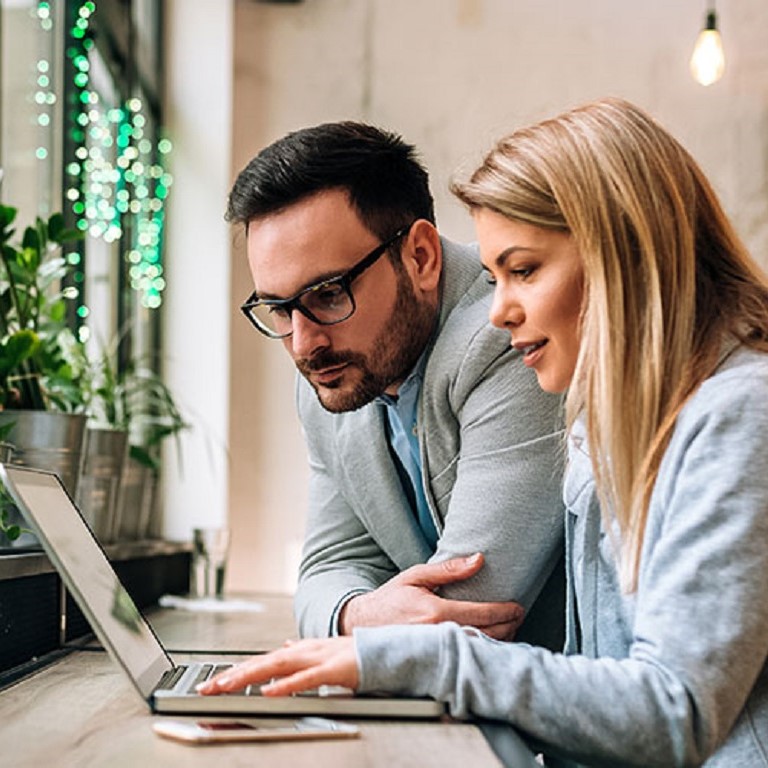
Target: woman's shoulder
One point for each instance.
(742, 373)
(736, 393)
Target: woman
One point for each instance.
(622, 283)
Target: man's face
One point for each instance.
(351, 363)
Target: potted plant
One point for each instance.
(151, 416)
(11, 528)
(105, 448)
(35, 372)
(42, 399)
(132, 408)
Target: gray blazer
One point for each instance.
(491, 449)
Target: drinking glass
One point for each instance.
(209, 561)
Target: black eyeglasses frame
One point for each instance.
(345, 280)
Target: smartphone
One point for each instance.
(219, 731)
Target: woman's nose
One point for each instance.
(505, 312)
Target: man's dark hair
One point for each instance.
(385, 181)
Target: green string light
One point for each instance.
(117, 172)
(43, 96)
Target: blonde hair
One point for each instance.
(667, 283)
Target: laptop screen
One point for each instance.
(90, 578)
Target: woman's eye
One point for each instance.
(522, 272)
(489, 278)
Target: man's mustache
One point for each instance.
(323, 360)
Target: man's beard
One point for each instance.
(396, 351)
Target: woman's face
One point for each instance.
(539, 282)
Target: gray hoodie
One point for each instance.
(674, 674)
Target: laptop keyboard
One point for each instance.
(171, 678)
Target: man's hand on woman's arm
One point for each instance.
(410, 598)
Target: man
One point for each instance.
(428, 438)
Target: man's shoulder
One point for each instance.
(462, 272)
(465, 334)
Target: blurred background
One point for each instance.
(134, 116)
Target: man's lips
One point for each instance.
(329, 373)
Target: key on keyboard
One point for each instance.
(170, 678)
(206, 672)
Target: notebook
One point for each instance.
(130, 640)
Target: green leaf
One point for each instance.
(42, 232)
(7, 217)
(5, 301)
(143, 457)
(55, 227)
(9, 253)
(31, 239)
(12, 532)
(70, 236)
(32, 260)
(19, 347)
(57, 311)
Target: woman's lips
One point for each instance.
(531, 352)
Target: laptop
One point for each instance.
(121, 628)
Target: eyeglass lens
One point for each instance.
(327, 303)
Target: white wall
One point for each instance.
(197, 299)
(450, 75)
(453, 74)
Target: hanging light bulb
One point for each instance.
(708, 59)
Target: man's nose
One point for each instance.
(307, 336)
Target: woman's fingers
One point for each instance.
(299, 666)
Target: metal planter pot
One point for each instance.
(137, 493)
(46, 440)
(105, 454)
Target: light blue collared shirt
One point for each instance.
(403, 433)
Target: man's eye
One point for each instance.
(328, 295)
(279, 312)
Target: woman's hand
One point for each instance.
(298, 666)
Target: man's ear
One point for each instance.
(422, 256)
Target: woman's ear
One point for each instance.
(422, 256)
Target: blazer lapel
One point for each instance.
(378, 496)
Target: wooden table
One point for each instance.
(81, 711)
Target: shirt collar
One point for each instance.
(409, 389)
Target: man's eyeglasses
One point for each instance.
(325, 303)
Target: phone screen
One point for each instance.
(225, 725)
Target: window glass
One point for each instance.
(30, 107)
(80, 132)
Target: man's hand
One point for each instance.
(298, 666)
(409, 598)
